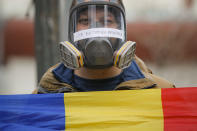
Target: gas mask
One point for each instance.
(97, 36)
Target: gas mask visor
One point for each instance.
(92, 21)
(97, 31)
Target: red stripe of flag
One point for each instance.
(180, 109)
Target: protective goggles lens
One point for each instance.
(91, 21)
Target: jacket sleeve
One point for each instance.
(49, 84)
(160, 82)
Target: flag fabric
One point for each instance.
(126, 110)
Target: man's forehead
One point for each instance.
(99, 9)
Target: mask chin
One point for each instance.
(98, 53)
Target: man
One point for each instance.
(97, 56)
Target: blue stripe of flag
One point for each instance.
(34, 112)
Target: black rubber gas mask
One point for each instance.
(96, 35)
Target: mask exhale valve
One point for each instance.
(98, 52)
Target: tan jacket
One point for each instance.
(50, 84)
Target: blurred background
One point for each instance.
(165, 32)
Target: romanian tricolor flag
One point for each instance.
(127, 110)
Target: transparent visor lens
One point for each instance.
(97, 21)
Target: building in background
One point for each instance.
(160, 10)
(17, 69)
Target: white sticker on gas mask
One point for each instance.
(98, 32)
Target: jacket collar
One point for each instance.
(133, 77)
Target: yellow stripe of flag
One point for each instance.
(136, 110)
